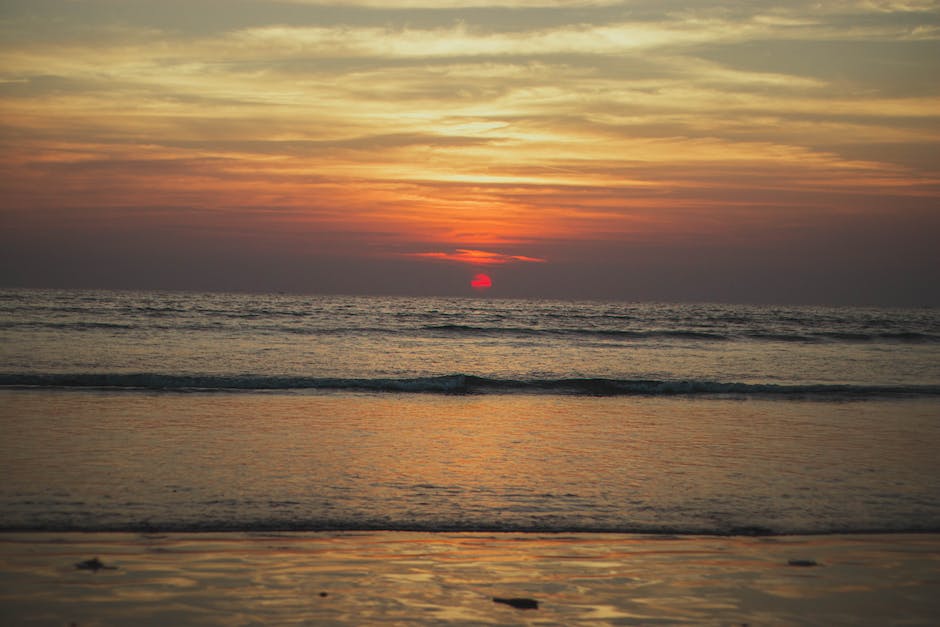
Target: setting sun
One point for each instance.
(481, 282)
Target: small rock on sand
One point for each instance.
(519, 603)
(802, 563)
(94, 565)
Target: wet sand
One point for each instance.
(408, 578)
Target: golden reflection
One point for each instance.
(207, 579)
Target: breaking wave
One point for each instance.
(274, 324)
(463, 384)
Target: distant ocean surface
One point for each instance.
(191, 411)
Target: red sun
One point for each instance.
(481, 282)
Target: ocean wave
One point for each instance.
(294, 323)
(84, 325)
(691, 334)
(464, 384)
(297, 524)
(461, 329)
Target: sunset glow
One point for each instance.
(596, 136)
(478, 257)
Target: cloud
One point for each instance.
(468, 40)
(458, 4)
(476, 257)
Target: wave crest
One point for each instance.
(461, 384)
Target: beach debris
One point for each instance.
(94, 565)
(324, 594)
(802, 563)
(518, 603)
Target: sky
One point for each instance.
(760, 152)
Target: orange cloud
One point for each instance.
(477, 257)
(460, 135)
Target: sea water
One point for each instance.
(191, 411)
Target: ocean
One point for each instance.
(163, 411)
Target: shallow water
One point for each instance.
(117, 460)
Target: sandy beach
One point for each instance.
(408, 578)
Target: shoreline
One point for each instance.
(325, 530)
(408, 577)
